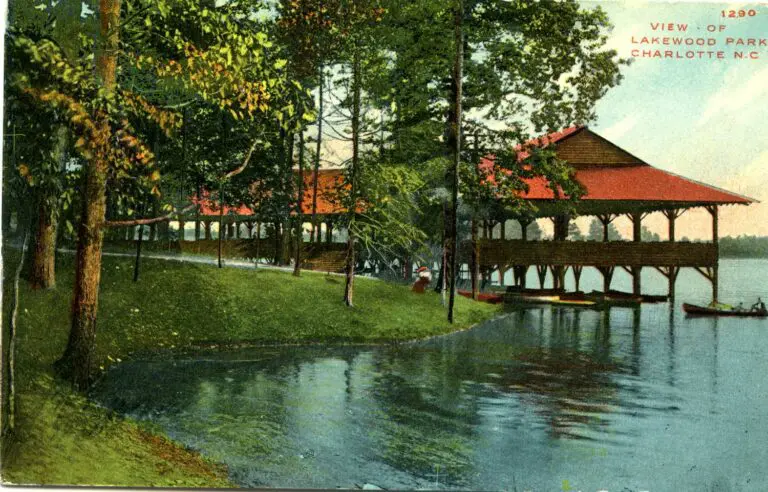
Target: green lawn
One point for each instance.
(175, 306)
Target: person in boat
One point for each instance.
(758, 306)
(740, 307)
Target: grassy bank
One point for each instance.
(62, 439)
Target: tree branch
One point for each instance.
(242, 166)
(154, 220)
(151, 220)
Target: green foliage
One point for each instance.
(387, 223)
(744, 247)
(648, 235)
(596, 231)
(574, 233)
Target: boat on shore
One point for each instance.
(723, 310)
(489, 297)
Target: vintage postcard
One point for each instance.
(385, 244)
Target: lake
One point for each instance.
(542, 399)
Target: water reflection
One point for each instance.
(637, 398)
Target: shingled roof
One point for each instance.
(612, 177)
(329, 181)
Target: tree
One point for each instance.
(532, 66)
(534, 232)
(596, 231)
(41, 156)
(230, 67)
(647, 235)
(574, 233)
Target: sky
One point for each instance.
(705, 119)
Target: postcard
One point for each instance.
(376, 244)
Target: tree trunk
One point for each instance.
(138, 254)
(9, 414)
(75, 363)
(350, 260)
(475, 274)
(299, 211)
(197, 212)
(455, 143)
(315, 226)
(276, 240)
(221, 221)
(44, 257)
(153, 232)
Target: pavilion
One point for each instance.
(241, 222)
(616, 183)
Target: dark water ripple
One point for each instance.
(545, 399)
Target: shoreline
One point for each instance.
(60, 434)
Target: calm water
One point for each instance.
(547, 399)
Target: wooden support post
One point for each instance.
(605, 219)
(577, 275)
(715, 241)
(555, 277)
(673, 271)
(672, 214)
(520, 272)
(607, 277)
(558, 276)
(329, 232)
(207, 229)
(637, 226)
(503, 230)
(237, 229)
(561, 271)
(636, 282)
(181, 229)
(561, 234)
(524, 228)
(542, 272)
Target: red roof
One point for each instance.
(329, 181)
(638, 183)
(626, 182)
(545, 140)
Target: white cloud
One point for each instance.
(751, 180)
(735, 94)
(620, 128)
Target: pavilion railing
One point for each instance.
(499, 252)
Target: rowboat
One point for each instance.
(615, 298)
(488, 297)
(530, 298)
(574, 303)
(721, 310)
(617, 294)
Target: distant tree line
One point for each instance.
(744, 247)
